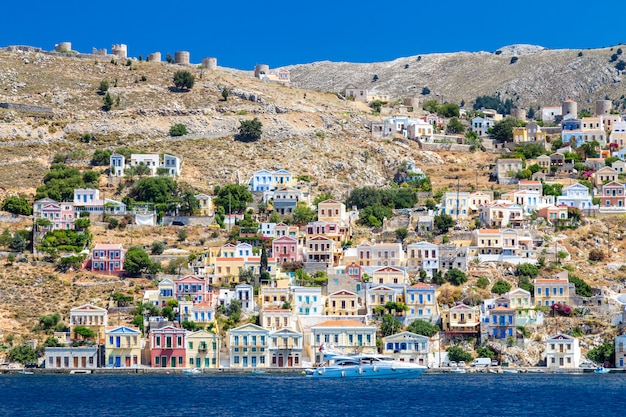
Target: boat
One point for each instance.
(457, 371)
(364, 366)
(80, 371)
(601, 370)
(25, 372)
(192, 371)
(258, 372)
(535, 371)
(510, 371)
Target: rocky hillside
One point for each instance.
(537, 77)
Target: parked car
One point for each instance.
(587, 364)
(452, 363)
(462, 364)
(494, 363)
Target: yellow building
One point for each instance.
(205, 203)
(122, 348)
(91, 317)
(342, 303)
(380, 295)
(461, 320)
(555, 290)
(389, 275)
(203, 350)
(520, 135)
(521, 301)
(274, 297)
(331, 210)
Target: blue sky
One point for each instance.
(244, 33)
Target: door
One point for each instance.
(290, 361)
(127, 362)
(118, 362)
(254, 361)
(280, 361)
(198, 362)
(164, 361)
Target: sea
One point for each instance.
(498, 395)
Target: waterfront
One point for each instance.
(294, 395)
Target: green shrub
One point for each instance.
(178, 129)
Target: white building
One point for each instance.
(562, 351)
(307, 301)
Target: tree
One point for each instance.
(303, 213)
(401, 233)
(500, 287)
(373, 216)
(5, 238)
(91, 177)
(455, 276)
(18, 243)
(473, 140)
(423, 327)
(84, 332)
(157, 248)
(603, 353)
(104, 87)
(620, 66)
(449, 110)
(225, 93)
(527, 270)
(444, 222)
(17, 205)
(425, 91)
(431, 106)
(457, 354)
(107, 102)
(182, 235)
(482, 282)
(502, 131)
(137, 261)
(23, 354)
(250, 130)
(122, 300)
(178, 129)
(582, 288)
(184, 80)
(264, 260)
(233, 197)
(11, 258)
(153, 190)
(390, 325)
(484, 352)
(455, 126)
(377, 105)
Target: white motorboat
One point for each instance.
(371, 366)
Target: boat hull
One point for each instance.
(365, 372)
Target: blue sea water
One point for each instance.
(268, 395)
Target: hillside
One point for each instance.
(307, 129)
(539, 76)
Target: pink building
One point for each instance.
(354, 271)
(60, 215)
(108, 258)
(193, 287)
(168, 347)
(285, 249)
(612, 195)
